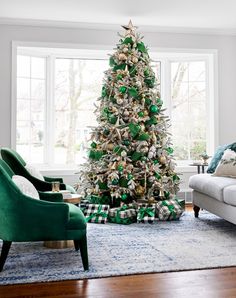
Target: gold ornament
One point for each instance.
(134, 59)
(140, 190)
(110, 146)
(145, 113)
(163, 159)
(151, 200)
(154, 138)
(122, 57)
(161, 193)
(125, 50)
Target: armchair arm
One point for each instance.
(52, 179)
(36, 220)
(43, 185)
(51, 197)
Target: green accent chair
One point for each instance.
(17, 164)
(24, 219)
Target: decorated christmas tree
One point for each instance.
(131, 155)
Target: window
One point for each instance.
(55, 107)
(189, 109)
(57, 91)
(31, 100)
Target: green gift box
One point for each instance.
(96, 213)
(169, 210)
(125, 215)
(146, 213)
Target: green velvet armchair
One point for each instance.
(24, 219)
(17, 164)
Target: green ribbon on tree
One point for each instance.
(145, 211)
(136, 156)
(128, 40)
(119, 66)
(170, 207)
(133, 71)
(151, 121)
(133, 92)
(112, 61)
(134, 129)
(96, 154)
(97, 214)
(141, 47)
(143, 137)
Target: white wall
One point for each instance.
(225, 45)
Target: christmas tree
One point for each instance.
(131, 155)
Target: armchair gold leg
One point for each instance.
(5, 250)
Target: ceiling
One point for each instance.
(204, 16)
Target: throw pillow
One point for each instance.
(227, 165)
(25, 186)
(218, 155)
(34, 172)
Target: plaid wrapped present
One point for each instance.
(169, 209)
(125, 215)
(83, 204)
(146, 213)
(96, 213)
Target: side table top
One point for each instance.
(74, 199)
(198, 164)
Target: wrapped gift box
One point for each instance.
(169, 210)
(83, 204)
(125, 214)
(96, 213)
(146, 213)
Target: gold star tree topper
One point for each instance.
(130, 29)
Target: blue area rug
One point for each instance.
(207, 242)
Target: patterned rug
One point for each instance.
(207, 242)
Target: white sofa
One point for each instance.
(214, 194)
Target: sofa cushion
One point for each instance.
(227, 165)
(230, 195)
(210, 185)
(217, 156)
(25, 186)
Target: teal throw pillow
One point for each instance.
(217, 156)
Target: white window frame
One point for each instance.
(211, 59)
(82, 51)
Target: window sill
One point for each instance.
(58, 172)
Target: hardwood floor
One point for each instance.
(217, 283)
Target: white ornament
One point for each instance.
(119, 101)
(123, 153)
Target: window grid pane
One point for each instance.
(188, 115)
(31, 97)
